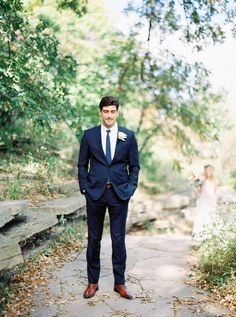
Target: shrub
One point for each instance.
(217, 254)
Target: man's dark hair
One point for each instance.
(108, 101)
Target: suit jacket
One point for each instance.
(94, 170)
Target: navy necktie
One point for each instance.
(108, 147)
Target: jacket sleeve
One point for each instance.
(83, 162)
(133, 162)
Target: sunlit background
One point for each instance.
(172, 66)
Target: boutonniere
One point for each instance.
(122, 136)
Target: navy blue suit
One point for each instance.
(94, 172)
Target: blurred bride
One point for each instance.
(205, 210)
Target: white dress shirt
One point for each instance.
(113, 138)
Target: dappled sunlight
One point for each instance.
(169, 272)
(159, 60)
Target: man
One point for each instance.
(108, 169)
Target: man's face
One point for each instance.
(109, 115)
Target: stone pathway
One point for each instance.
(156, 269)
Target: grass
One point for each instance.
(32, 179)
(216, 257)
(34, 190)
(14, 189)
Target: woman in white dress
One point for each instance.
(205, 210)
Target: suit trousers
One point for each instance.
(96, 210)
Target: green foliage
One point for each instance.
(33, 174)
(14, 190)
(233, 175)
(149, 226)
(219, 265)
(217, 255)
(173, 100)
(5, 295)
(62, 220)
(78, 6)
(70, 234)
(199, 21)
(35, 75)
(159, 174)
(176, 92)
(55, 67)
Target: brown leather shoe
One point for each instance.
(122, 290)
(90, 290)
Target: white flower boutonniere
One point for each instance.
(122, 136)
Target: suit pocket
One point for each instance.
(122, 178)
(91, 178)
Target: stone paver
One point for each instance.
(28, 225)
(10, 253)
(156, 269)
(9, 209)
(62, 206)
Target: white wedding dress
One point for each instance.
(205, 211)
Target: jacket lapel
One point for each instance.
(99, 142)
(118, 143)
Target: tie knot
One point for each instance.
(108, 131)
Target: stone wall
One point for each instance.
(19, 222)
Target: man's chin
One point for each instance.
(109, 124)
